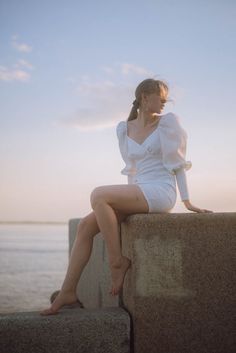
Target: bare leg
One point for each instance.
(128, 199)
(109, 225)
(106, 201)
(79, 257)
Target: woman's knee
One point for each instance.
(81, 225)
(88, 226)
(97, 195)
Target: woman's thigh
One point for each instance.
(127, 199)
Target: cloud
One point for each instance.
(108, 70)
(22, 47)
(104, 102)
(87, 119)
(127, 69)
(24, 63)
(19, 70)
(7, 74)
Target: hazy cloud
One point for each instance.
(87, 119)
(22, 47)
(102, 103)
(7, 74)
(24, 63)
(18, 72)
(127, 69)
(108, 70)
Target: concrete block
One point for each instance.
(95, 282)
(181, 289)
(105, 330)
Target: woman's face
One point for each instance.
(153, 103)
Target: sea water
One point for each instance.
(33, 263)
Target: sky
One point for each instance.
(68, 73)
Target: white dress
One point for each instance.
(157, 163)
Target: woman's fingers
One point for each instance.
(205, 211)
(199, 210)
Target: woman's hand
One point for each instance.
(193, 208)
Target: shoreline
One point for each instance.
(33, 222)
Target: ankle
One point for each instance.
(117, 263)
(68, 291)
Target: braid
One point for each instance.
(134, 113)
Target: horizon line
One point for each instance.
(34, 222)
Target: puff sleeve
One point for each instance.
(130, 169)
(173, 145)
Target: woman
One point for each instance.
(153, 147)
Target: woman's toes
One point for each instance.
(49, 311)
(62, 299)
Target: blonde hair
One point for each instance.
(147, 86)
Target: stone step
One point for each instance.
(70, 331)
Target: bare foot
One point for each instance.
(118, 275)
(60, 300)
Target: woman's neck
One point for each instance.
(146, 119)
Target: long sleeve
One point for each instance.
(174, 143)
(182, 184)
(129, 169)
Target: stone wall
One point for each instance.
(181, 288)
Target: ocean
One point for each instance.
(33, 263)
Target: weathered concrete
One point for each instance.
(181, 289)
(79, 330)
(95, 281)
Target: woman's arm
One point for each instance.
(182, 183)
(183, 190)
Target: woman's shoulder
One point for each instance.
(170, 118)
(172, 122)
(120, 127)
